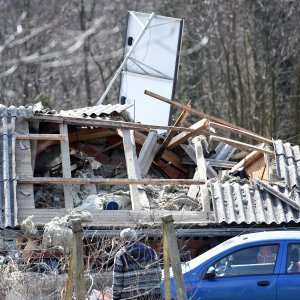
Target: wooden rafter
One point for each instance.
(184, 136)
(215, 122)
(240, 145)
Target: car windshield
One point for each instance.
(210, 253)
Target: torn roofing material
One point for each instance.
(238, 202)
(95, 111)
(288, 163)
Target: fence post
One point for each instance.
(169, 233)
(76, 264)
(166, 263)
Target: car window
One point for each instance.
(293, 260)
(258, 260)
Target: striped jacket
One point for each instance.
(136, 273)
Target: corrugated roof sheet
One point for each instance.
(238, 202)
(288, 163)
(8, 214)
(95, 111)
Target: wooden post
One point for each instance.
(66, 165)
(147, 153)
(76, 264)
(138, 196)
(169, 233)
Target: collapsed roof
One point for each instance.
(102, 152)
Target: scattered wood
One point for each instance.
(240, 145)
(258, 168)
(276, 193)
(249, 159)
(184, 136)
(216, 122)
(171, 134)
(190, 151)
(167, 155)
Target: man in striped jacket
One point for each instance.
(136, 272)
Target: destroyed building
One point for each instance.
(126, 174)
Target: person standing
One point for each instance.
(136, 271)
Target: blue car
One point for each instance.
(262, 265)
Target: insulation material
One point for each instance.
(57, 234)
(92, 203)
(28, 226)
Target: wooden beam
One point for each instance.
(167, 155)
(66, 165)
(171, 134)
(241, 131)
(33, 144)
(249, 159)
(138, 196)
(184, 136)
(190, 151)
(106, 181)
(276, 193)
(200, 174)
(80, 135)
(124, 218)
(240, 145)
(105, 123)
(219, 123)
(90, 134)
(39, 136)
(147, 153)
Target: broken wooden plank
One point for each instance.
(240, 145)
(190, 151)
(250, 158)
(79, 135)
(33, 144)
(167, 155)
(200, 174)
(147, 153)
(171, 134)
(66, 165)
(138, 196)
(115, 145)
(39, 136)
(225, 164)
(105, 123)
(184, 136)
(257, 169)
(106, 181)
(276, 193)
(216, 122)
(123, 218)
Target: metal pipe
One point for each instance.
(6, 182)
(13, 168)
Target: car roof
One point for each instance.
(267, 236)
